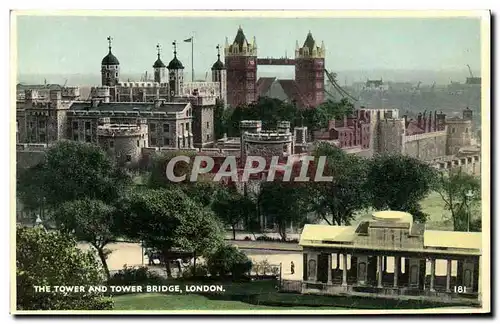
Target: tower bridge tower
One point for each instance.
(310, 70)
(241, 69)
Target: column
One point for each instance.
(433, 273)
(344, 269)
(379, 267)
(329, 269)
(448, 275)
(397, 266)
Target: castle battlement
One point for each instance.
(264, 136)
(140, 84)
(418, 137)
(250, 124)
(119, 130)
(32, 147)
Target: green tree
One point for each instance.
(54, 259)
(228, 259)
(338, 200)
(285, 203)
(319, 117)
(91, 221)
(158, 177)
(166, 219)
(220, 117)
(454, 188)
(399, 182)
(233, 208)
(71, 171)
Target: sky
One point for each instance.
(74, 45)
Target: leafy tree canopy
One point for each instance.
(399, 182)
(72, 170)
(54, 259)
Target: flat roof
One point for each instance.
(457, 240)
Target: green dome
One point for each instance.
(110, 59)
(218, 65)
(159, 63)
(175, 64)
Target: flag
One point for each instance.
(189, 40)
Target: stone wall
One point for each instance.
(390, 137)
(427, 146)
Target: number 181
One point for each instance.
(460, 289)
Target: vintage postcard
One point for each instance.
(249, 162)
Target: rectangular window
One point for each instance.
(87, 125)
(75, 137)
(153, 141)
(453, 130)
(187, 127)
(208, 125)
(32, 124)
(208, 137)
(42, 138)
(42, 124)
(75, 125)
(166, 128)
(111, 144)
(152, 127)
(138, 143)
(166, 141)
(88, 138)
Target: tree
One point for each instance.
(454, 188)
(166, 219)
(70, 171)
(54, 259)
(319, 117)
(285, 202)
(158, 177)
(337, 201)
(227, 260)
(233, 208)
(90, 221)
(399, 182)
(220, 116)
(202, 192)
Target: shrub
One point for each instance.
(201, 271)
(263, 267)
(135, 276)
(228, 260)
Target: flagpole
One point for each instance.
(192, 58)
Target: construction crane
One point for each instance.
(470, 71)
(331, 77)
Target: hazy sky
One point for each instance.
(77, 44)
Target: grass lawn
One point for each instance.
(238, 296)
(192, 302)
(257, 295)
